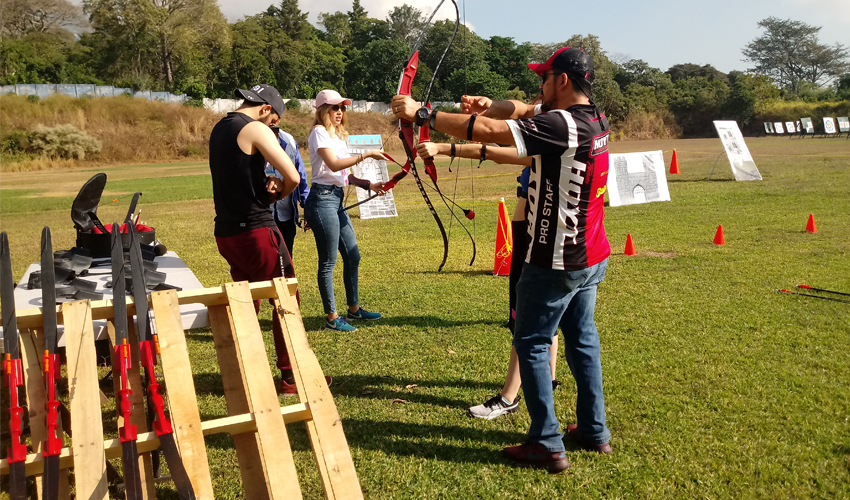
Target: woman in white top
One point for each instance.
(323, 210)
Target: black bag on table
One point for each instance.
(91, 233)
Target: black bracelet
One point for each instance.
(454, 151)
(432, 120)
(469, 128)
(483, 154)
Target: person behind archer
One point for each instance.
(323, 211)
(245, 232)
(285, 211)
(569, 250)
(507, 401)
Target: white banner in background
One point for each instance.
(743, 166)
(637, 178)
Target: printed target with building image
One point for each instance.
(635, 178)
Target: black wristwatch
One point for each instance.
(422, 116)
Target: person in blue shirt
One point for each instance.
(285, 211)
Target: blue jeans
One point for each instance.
(333, 232)
(547, 299)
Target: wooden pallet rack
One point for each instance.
(255, 418)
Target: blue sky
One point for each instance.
(661, 32)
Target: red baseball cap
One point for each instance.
(573, 61)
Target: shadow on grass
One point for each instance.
(425, 441)
(405, 440)
(354, 386)
(370, 387)
(313, 323)
(699, 180)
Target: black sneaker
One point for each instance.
(494, 407)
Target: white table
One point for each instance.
(176, 273)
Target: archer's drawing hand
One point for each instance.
(378, 188)
(404, 107)
(475, 104)
(427, 149)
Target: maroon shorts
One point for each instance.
(255, 256)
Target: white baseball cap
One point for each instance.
(331, 97)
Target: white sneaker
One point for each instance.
(494, 407)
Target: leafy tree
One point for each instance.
(405, 22)
(19, 17)
(790, 53)
(509, 59)
(640, 72)
(842, 87)
(290, 19)
(149, 38)
(696, 102)
(372, 73)
(468, 53)
(682, 71)
(476, 80)
(337, 29)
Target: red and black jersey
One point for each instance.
(567, 186)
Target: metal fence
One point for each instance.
(216, 105)
(87, 90)
(227, 105)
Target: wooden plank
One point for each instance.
(312, 434)
(102, 309)
(251, 466)
(137, 397)
(332, 442)
(182, 401)
(32, 347)
(86, 425)
(274, 441)
(237, 425)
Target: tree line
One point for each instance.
(187, 46)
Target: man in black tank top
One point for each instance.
(245, 232)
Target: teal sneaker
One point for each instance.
(363, 314)
(339, 324)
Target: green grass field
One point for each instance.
(716, 385)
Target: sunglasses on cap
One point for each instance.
(337, 107)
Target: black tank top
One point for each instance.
(239, 180)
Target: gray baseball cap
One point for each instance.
(265, 94)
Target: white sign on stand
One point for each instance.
(373, 171)
(740, 159)
(635, 178)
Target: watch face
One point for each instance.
(423, 113)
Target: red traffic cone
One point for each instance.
(630, 246)
(674, 164)
(504, 243)
(718, 236)
(811, 227)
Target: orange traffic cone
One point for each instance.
(504, 243)
(810, 226)
(674, 164)
(718, 236)
(630, 246)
